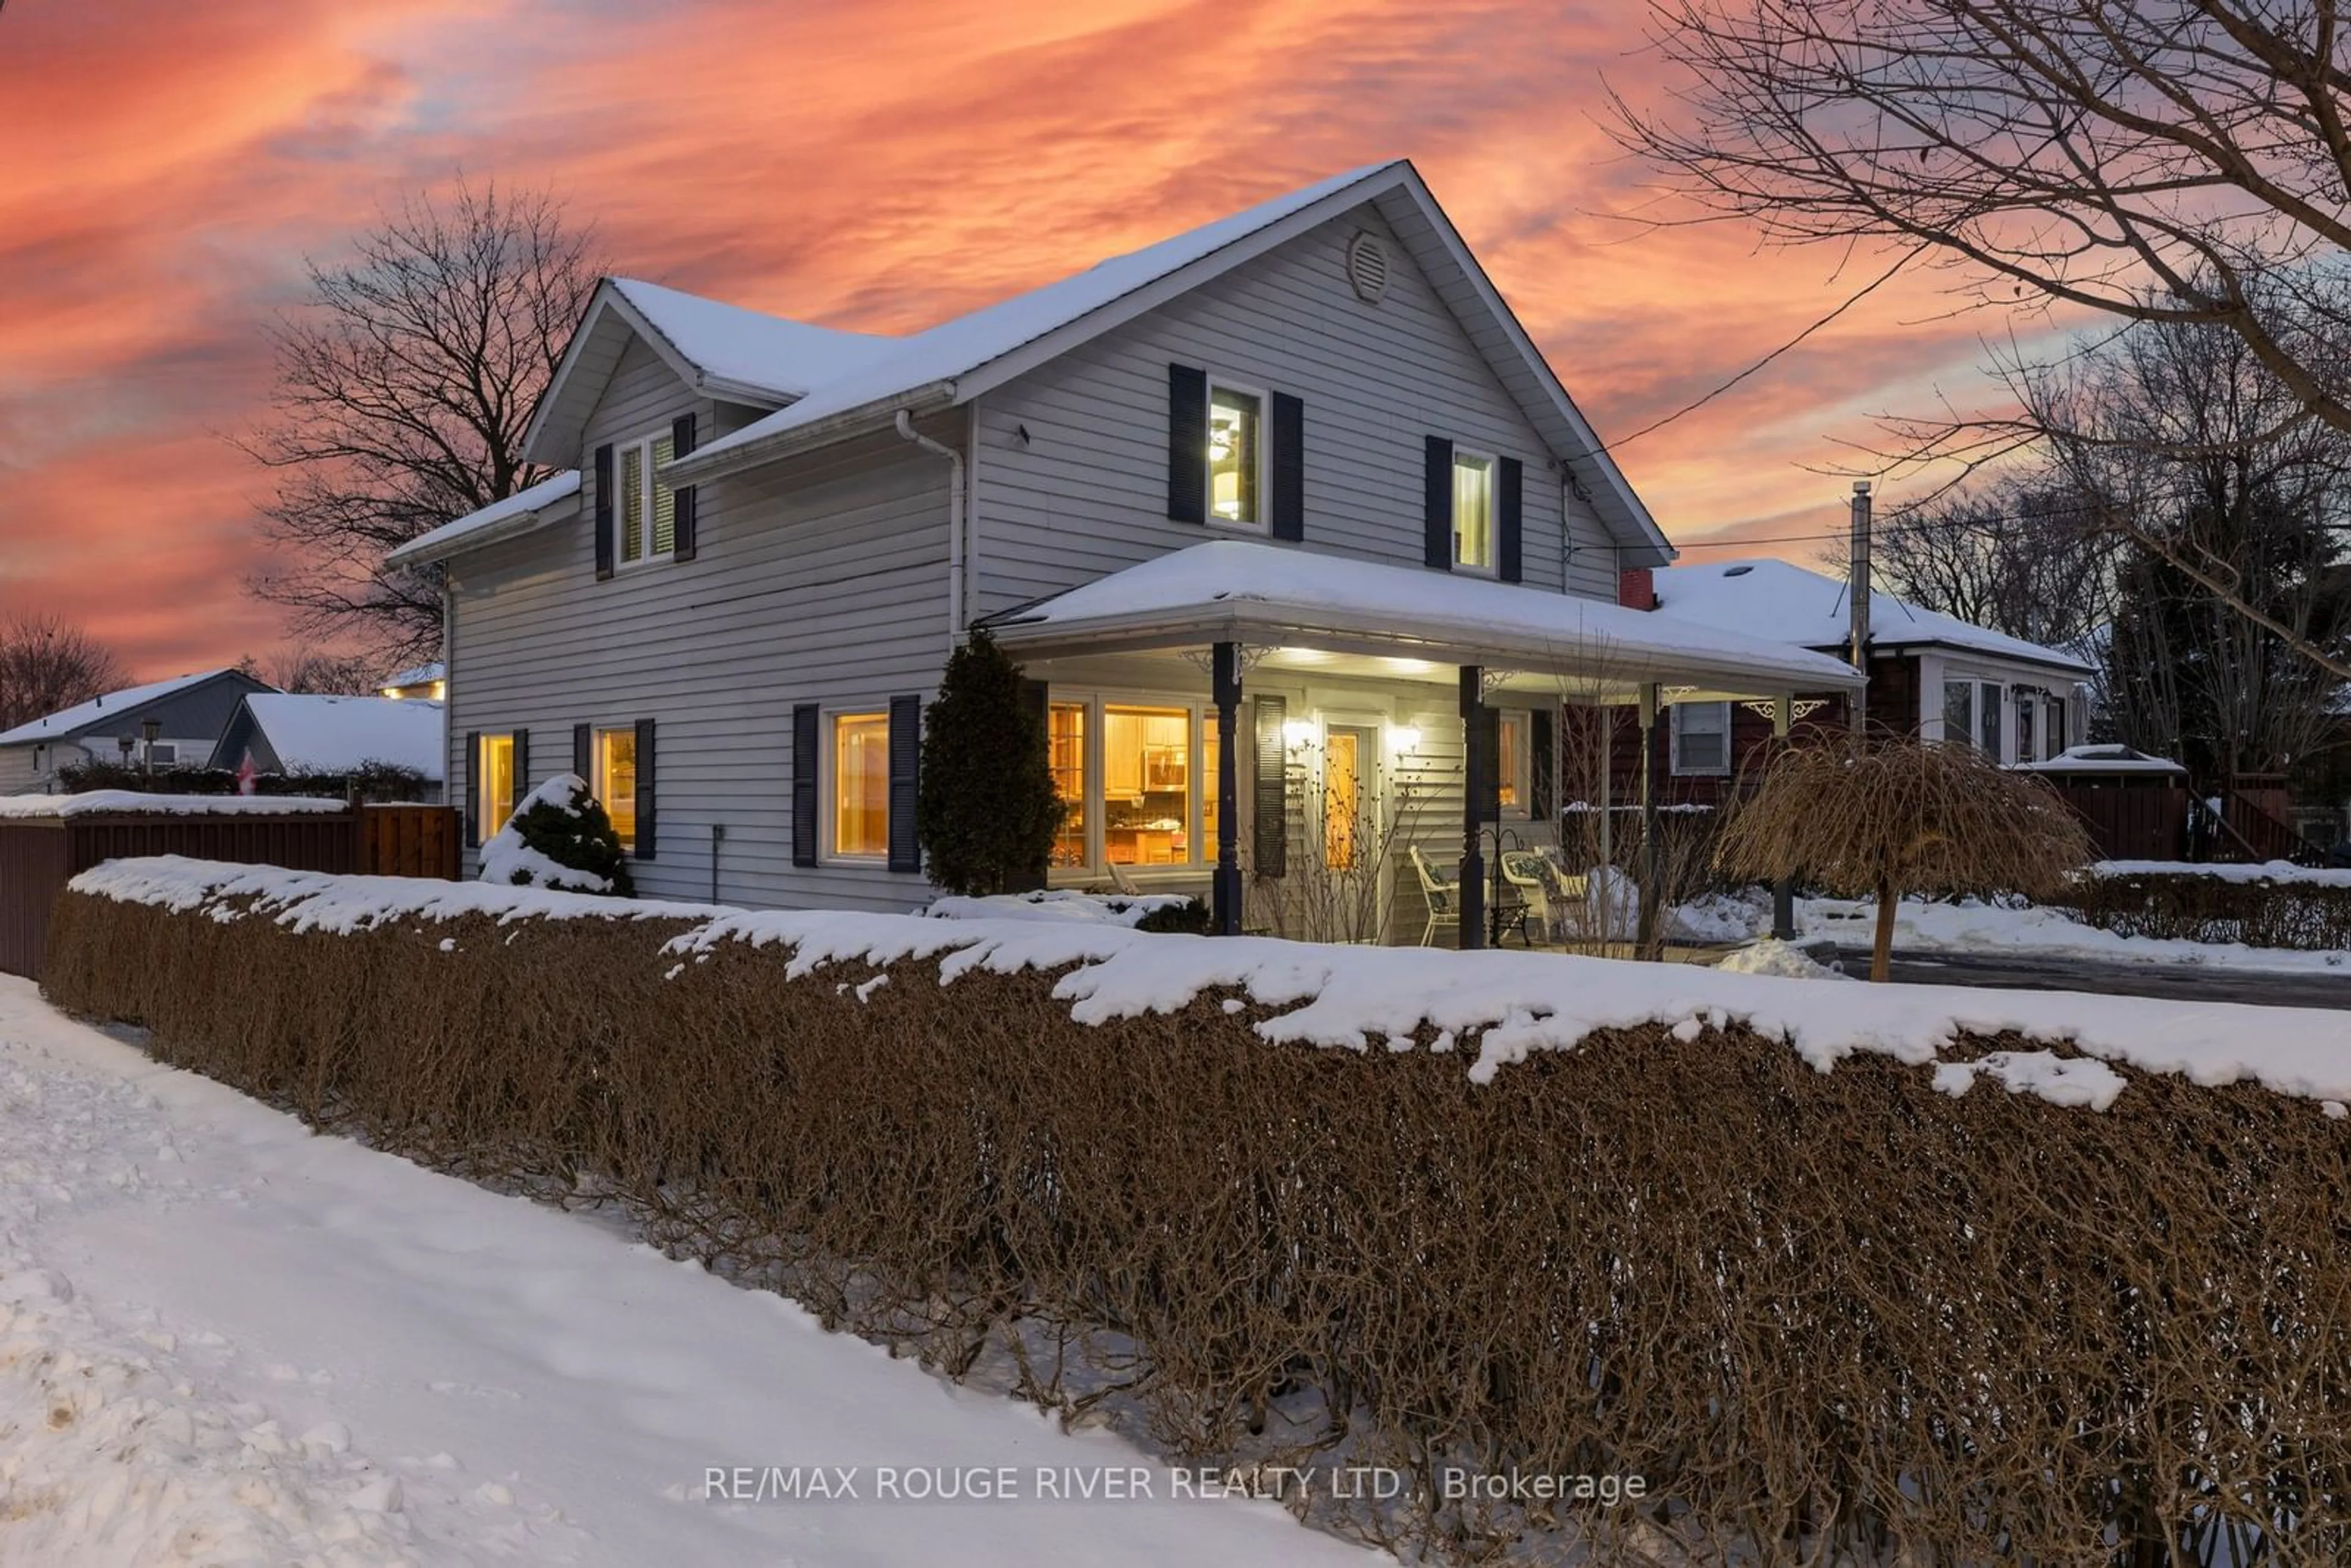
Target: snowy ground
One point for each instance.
(224, 1340)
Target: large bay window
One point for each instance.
(1140, 774)
(859, 778)
(644, 509)
(614, 758)
(1473, 512)
(1236, 457)
(1065, 734)
(1701, 740)
(494, 768)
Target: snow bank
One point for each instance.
(98, 802)
(1060, 905)
(2268, 871)
(1974, 926)
(1356, 999)
(1772, 957)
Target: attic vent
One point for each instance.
(1367, 268)
(1737, 570)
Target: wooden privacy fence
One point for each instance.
(38, 856)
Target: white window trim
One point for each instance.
(1094, 699)
(1493, 467)
(1264, 523)
(1674, 741)
(828, 821)
(649, 481)
(483, 830)
(1523, 719)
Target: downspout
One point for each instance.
(906, 422)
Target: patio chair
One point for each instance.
(1438, 889)
(1528, 874)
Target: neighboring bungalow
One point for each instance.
(1299, 539)
(1930, 675)
(164, 723)
(288, 732)
(427, 681)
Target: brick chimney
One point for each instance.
(1636, 587)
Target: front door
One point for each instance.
(1350, 830)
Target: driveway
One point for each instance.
(2044, 972)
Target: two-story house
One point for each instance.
(1287, 517)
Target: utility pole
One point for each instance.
(1858, 595)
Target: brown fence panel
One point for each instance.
(2130, 821)
(409, 840)
(34, 865)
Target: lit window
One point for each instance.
(1473, 512)
(1209, 787)
(861, 784)
(1147, 786)
(1701, 737)
(1236, 456)
(646, 513)
(615, 783)
(1511, 757)
(1065, 734)
(495, 771)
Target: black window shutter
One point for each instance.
(583, 754)
(681, 442)
(1485, 773)
(1540, 785)
(1512, 479)
(1035, 704)
(646, 801)
(521, 764)
(473, 789)
(604, 541)
(1288, 466)
(1272, 800)
(804, 721)
(1437, 503)
(905, 761)
(1188, 444)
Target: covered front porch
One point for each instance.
(1337, 749)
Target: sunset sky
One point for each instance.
(165, 167)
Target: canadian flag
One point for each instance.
(245, 774)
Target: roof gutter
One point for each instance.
(424, 551)
(708, 462)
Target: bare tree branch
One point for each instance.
(47, 663)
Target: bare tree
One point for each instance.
(296, 669)
(403, 390)
(46, 663)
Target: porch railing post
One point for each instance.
(1225, 894)
(1469, 886)
(1783, 892)
(1652, 917)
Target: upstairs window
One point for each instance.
(1236, 457)
(1473, 512)
(645, 509)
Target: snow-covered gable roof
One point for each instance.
(318, 733)
(1765, 597)
(1264, 594)
(550, 500)
(959, 359)
(112, 708)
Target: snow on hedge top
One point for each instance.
(1377, 998)
(1060, 905)
(98, 802)
(334, 733)
(2268, 871)
(1764, 597)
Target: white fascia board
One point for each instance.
(696, 466)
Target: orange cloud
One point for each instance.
(164, 168)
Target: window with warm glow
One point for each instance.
(1511, 757)
(1147, 786)
(1065, 734)
(646, 509)
(615, 783)
(861, 784)
(496, 771)
(1236, 456)
(1473, 512)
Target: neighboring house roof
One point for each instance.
(548, 501)
(416, 676)
(106, 714)
(304, 732)
(1773, 598)
(2106, 758)
(1231, 590)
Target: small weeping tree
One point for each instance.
(1901, 816)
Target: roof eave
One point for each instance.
(425, 552)
(696, 466)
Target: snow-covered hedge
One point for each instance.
(135, 802)
(2278, 905)
(1417, 1208)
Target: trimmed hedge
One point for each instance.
(1827, 1317)
(382, 782)
(2311, 916)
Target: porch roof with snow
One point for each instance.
(1274, 597)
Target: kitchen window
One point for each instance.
(645, 509)
(1236, 457)
(1473, 512)
(1700, 737)
(1140, 771)
(1065, 737)
(494, 771)
(615, 784)
(859, 778)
